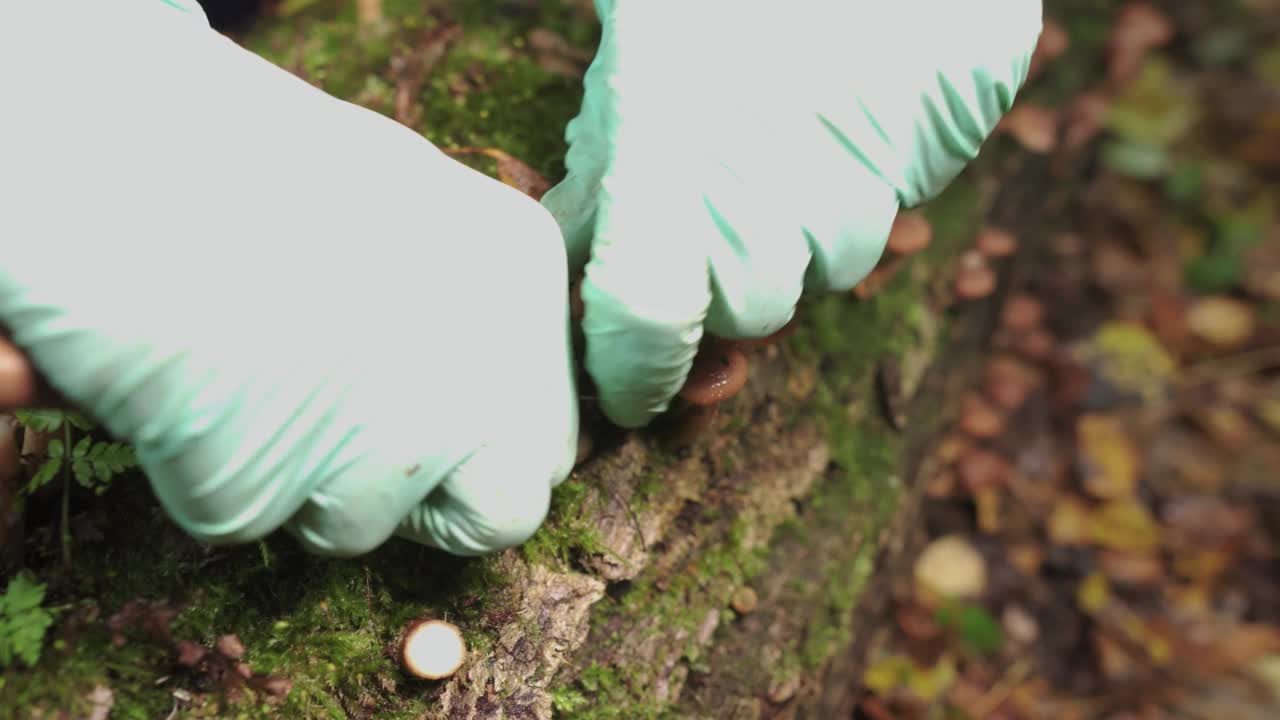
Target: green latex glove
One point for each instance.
(301, 313)
(730, 155)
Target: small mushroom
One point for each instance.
(718, 373)
(1021, 313)
(911, 233)
(1053, 42)
(980, 418)
(432, 649)
(744, 600)
(1035, 127)
(979, 468)
(995, 242)
(783, 333)
(1138, 29)
(1009, 382)
(1036, 345)
(975, 278)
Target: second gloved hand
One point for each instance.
(729, 155)
(301, 313)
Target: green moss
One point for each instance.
(568, 530)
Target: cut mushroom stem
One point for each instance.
(432, 649)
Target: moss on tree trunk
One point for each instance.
(622, 605)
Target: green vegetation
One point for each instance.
(23, 621)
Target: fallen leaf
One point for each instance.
(1093, 593)
(1222, 321)
(1109, 460)
(1131, 568)
(1124, 525)
(1069, 522)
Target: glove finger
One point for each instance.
(495, 499)
(757, 263)
(572, 202)
(918, 130)
(646, 288)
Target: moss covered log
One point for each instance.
(623, 605)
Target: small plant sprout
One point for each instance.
(432, 649)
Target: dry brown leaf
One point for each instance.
(1130, 568)
(1124, 525)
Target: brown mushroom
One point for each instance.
(1053, 42)
(719, 372)
(1021, 313)
(975, 278)
(782, 333)
(910, 233)
(1138, 29)
(1035, 127)
(432, 649)
(1009, 382)
(17, 377)
(1036, 345)
(980, 418)
(996, 242)
(980, 467)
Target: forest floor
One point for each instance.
(1102, 521)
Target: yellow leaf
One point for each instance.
(888, 674)
(1124, 525)
(929, 683)
(1109, 456)
(1069, 522)
(1131, 358)
(1094, 593)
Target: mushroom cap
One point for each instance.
(975, 278)
(980, 418)
(432, 649)
(1037, 344)
(996, 242)
(1022, 313)
(1035, 127)
(718, 373)
(911, 233)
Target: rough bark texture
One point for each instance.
(802, 488)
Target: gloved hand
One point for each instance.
(300, 312)
(729, 155)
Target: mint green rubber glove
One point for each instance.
(301, 313)
(730, 155)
